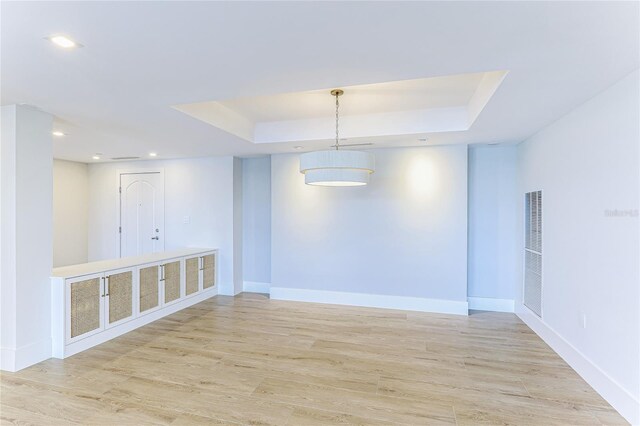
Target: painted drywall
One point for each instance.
(404, 234)
(238, 283)
(70, 212)
(198, 191)
(26, 161)
(256, 221)
(8, 236)
(493, 225)
(587, 165)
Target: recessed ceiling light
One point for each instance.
(297, 147)
(152, 154)
(58, 133)
(96, 157)
(422, 139)
(64, 42)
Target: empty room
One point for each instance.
(320, 213)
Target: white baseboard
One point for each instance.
(490, 304)
(371, 300)
(256, 287)
(619, 398)
(15, 359)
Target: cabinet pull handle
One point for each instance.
(103, 287)
(201, 263)
(107, 284)
(161, 272)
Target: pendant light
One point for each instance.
(337, 167)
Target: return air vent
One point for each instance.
(533, 252)
(125, 158)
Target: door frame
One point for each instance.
(118, 229)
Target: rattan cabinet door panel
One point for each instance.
(84, 307)
(119, 294)
(192, 275)
(209, 271)
(171, 281)
(149, 289)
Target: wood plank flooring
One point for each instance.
(251, 360)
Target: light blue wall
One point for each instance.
(587, 166)
(256, 219)
(405, 234)
(493, 225)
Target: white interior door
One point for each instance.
(141, 213)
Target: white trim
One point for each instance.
(622, 400)
(490, 304)
(14, 359)
(371, 300)
(256, 287)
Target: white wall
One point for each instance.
(237, 226)
(8, 232)
(200, 188)
(493, 227)
(402, 236)
(587, 164)
(256, 219)
(26, 257)
(70, 212)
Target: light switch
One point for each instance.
(186, 220)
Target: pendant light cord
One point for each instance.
(337, 120)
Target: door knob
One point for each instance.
(155, 238)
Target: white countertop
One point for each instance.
(124, 262)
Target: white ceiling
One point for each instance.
(406, 108)
(115, 95)
(405, 95)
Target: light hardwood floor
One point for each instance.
(251, 360)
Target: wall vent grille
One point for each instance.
(533, 252)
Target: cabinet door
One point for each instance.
(118, 297)
(171, 279)
(208, 271)
(85, 307)
(148, 288)
(192, 275)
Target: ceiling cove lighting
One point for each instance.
(336, 167)
(64, 42)
(58, 133)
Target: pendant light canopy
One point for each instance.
(336, 167)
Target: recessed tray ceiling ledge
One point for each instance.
(430, 105)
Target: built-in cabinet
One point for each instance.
(90, 307)
(149, 288)
(85, 306)
(98, 301)
(118, 297)
(171, 281)
(200, 273)
(192, 272)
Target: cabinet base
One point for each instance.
(64, 351)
